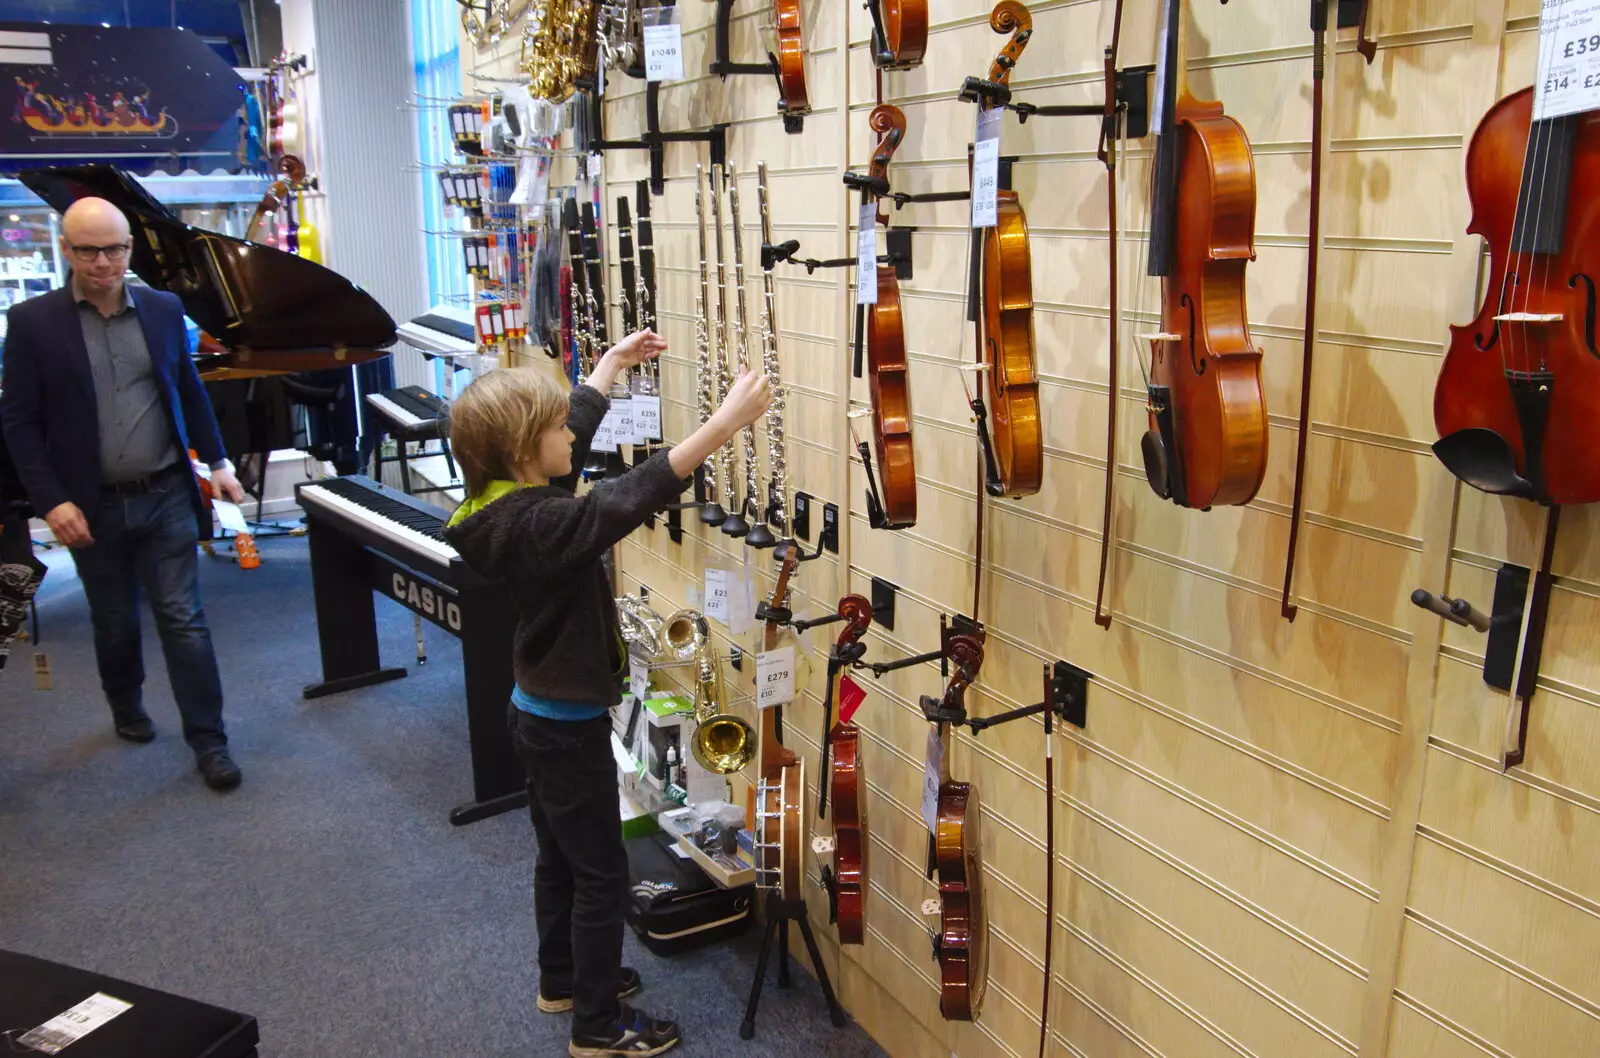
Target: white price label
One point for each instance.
(774, 677)
(73, 1024)
(638, 678)
(647, 418)
(717, 594)
(1569, 59)
(622, 421)
(932, 777)
(663, 44)
(741, 601)
(867, 256)
(986, 167)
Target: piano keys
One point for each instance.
(410, 408)
(366, 538)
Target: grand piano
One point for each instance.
(281, 334)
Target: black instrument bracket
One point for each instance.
(1131, 101)
(948, 626)
(652, 139)
(1503, 625)
(722, 67)
(899, 255)
(1066, 694)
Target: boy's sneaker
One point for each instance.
(561, 1002)
(636, 1033)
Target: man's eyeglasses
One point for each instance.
(87, 254)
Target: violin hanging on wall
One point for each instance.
(793, 100)
(1518, 397)
(963, 962)
(888, 369)
(1207, 442)
(899, 33)
(842, 744)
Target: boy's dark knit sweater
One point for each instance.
(548, 545)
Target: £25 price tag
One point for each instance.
(867, 256)
(717, 594)
(986, 167)
(1569, 59)
(774, 677)
(663, 44)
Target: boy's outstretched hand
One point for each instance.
(746, 401)
(638, 347)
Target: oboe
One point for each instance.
(776, 508)
(712, 513)
(736, 524)
(749, 508)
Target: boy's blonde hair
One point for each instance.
(496, 422)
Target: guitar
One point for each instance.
(779, 793)
(1012, 378)
(963, 965)
(843, 743)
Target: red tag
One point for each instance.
(851, 696)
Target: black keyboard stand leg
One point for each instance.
(473, 811)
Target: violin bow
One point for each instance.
(1108, 155)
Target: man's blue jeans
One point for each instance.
(148, 540)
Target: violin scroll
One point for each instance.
(1009, 16)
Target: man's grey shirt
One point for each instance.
(136, 437)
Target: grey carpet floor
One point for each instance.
(328, 896)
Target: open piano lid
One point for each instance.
(245, 295)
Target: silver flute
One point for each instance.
(773, 505)
(735, 525)
(750, 508)
(705, 371)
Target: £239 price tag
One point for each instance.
(663, 44)
(986, 168)
(717, 594)
(867, 256)
(774, 677)
(646, 418)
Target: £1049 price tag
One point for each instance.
(663, 44)
(774, 677)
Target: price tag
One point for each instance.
(851, 695)
(932, 768)
(647, 418)
(73, 1024)
(741, 601)
(638, 678)
(622, 421)
(717, 594)
(867, 256)
(986, 167)
(1569, 59)
(774, 677)
(230, 516)
(663, 44)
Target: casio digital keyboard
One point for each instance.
(365, 538)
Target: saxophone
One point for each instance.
(559, 47)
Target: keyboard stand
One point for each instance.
(404, 434)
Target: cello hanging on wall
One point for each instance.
(1207, 442)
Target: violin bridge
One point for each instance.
(1162, 336)
(1530, 317)
(972, 367)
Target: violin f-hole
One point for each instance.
(1200, 365)
(1589, 321)
(1494, 335)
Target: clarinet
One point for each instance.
(575, 289)
(711, 471)
(749, 508)
(776, 509)
(736, 524)
(644, 287)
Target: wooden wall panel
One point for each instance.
(1273, 838)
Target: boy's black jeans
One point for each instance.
(580, 882)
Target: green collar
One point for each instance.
(495, 490)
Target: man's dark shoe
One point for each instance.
(218, 769)
(561, 1002)
(139, 729)
(636, 1033)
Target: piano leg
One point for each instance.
(347, 631)
(498, 782)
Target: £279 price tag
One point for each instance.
(774, 677)
(663, 44)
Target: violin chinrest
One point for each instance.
(1155, 463)
(1483, 459)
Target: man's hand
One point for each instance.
(69, 525)
(224, 483)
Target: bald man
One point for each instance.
(101, 404)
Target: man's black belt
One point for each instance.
(136, 486)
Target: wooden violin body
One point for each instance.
(890, 387)
(1518, 396)
(844, 786)
(1207, 443)
(1013, 380)
(791, 58)
(905, 34)
(961, 957)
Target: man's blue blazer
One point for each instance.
(47, 399)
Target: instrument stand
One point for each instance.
(779, 913)
(1130, 98)
(899, 255)
(721, 67)
(1066, 694)
(652, 139)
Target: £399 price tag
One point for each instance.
(986, 167)
(663, 44)
(717, 594)
(774, 677)
(1569, 59)
(867, 256)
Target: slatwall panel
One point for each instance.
(1274, 839)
